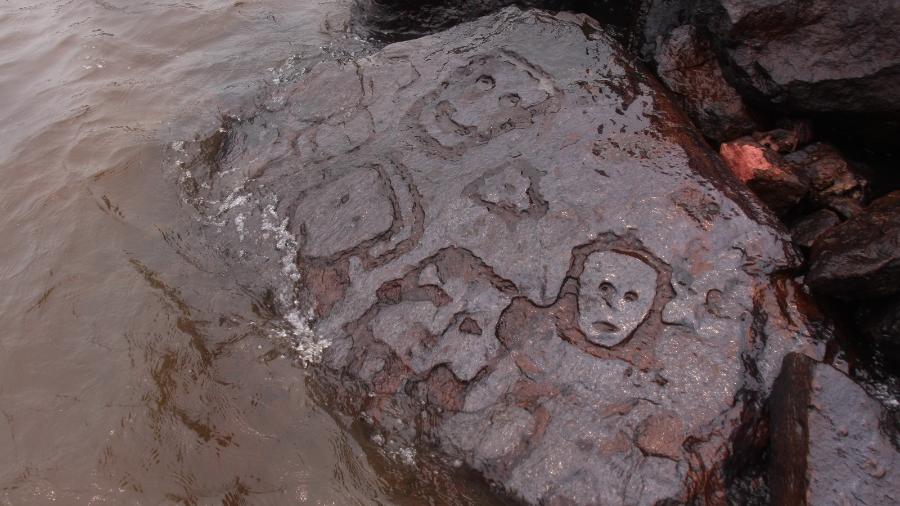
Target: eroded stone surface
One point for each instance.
(545, 274)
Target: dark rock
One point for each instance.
(786, 140)
(860, 258)
(395, 20)
(807, 229)
(688, 66)
(764, 171)
(828, 442)
(879, 322)
(833, 181)
(522, 257)
(797, 55)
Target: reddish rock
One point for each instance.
(807, 229)
(829, 441)
(860, 258)
(764, 172)
(688, 66)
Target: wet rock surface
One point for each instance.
(512, 250)
(860, 258)
(831, 443)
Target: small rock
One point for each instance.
(833, 182)
(688, 66)
(828, 445)
(808, 228)
(764, 172)
(786, 140)
(860, 258)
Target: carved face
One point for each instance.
(616, 293)
(486, 98)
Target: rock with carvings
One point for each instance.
(522, 257)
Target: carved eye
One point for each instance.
(485, 83)
(607, 288)
(630, 296)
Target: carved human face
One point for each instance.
(616, 293)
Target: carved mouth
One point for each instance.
(605, 327)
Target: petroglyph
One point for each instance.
(615, 294)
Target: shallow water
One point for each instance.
(130, 371)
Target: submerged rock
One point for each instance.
(831, 442)
(860, 258)
(524, 258)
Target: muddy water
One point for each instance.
(130, 371)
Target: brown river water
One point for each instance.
(129, 374)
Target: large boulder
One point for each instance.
(830, 442)
(860, 258)
(510, 249)
(799, 55)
